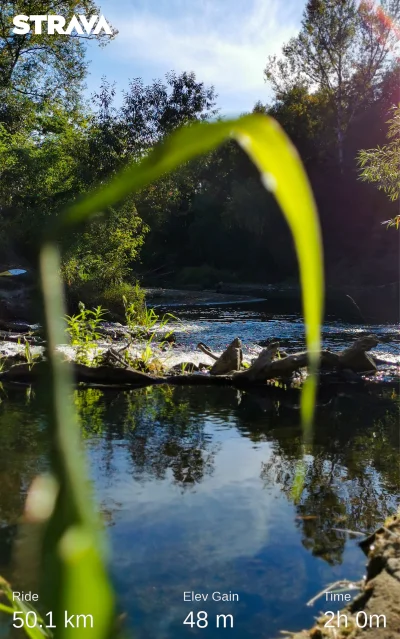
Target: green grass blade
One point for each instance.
(38, 631)
(75, 575)
(281, 172)
(75, 578)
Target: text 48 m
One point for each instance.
(201, 620)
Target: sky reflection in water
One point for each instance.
(195, 487)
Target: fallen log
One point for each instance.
(263, 369)
(258, 371)
(207, 351)
(110, 375)
(355, 357)
(21, 338)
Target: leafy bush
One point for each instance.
(83, 330)
(113, 298)
(381, 165)
(103, 253)
(92, 293)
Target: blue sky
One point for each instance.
(225, 42)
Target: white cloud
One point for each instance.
(225, 43)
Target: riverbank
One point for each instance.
(358, 303)
(375, 612)
(350, 303)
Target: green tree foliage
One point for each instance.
(43, 66)
(151, 112)
(57, 154)
(103, 253)
(344, 50)
(305, 116)
(38, 171)
(211, 216)
(382, 164)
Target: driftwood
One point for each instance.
(258, 370)
(109, 375)
(20, 338)
(355, 357)
(264, 368)
(206, 349)
(230, 360)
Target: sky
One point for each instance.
(225, 42)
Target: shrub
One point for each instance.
(113, 298)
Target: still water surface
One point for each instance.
(195, 485)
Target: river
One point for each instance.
(195, 484)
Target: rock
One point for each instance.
(379, 594)
(355, 357)
(230, 360)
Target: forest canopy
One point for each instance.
(332, 89)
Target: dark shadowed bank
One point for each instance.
(379, 594)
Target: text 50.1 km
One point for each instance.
(32, 620)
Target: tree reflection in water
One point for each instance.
(351, 482)
(352, 477)
(352, 467)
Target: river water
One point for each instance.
(196, 484)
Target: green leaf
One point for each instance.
(73, 567)
(299, 481)
(76, 581)
(281, 172)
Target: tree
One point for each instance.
(304, 115)
(342, 51)
(151, 112)
(53, 154)
(103, 253)
(44, 66)
(382, 165)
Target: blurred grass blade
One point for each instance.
(76, 582)
(22, 607)
(75, 576)
(299, 480)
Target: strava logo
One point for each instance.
(52, 24)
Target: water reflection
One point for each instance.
(233, 455)
(196, 486)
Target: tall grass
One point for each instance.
(72, 553)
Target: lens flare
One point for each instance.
(382, 26)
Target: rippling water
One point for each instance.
(217, 326)
(195, 485)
